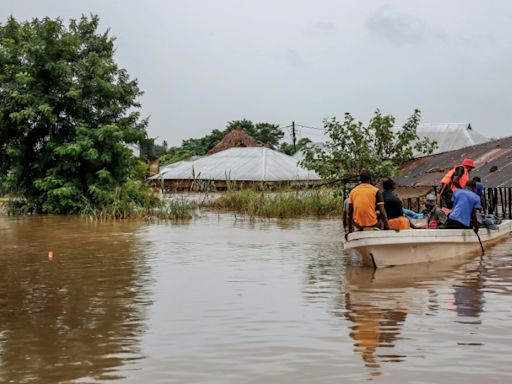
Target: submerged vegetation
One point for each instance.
(283, 204)
(122, 206)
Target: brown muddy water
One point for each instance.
(221, 300)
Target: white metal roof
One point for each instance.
(248, 164)
(451, 136)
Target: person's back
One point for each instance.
(465, 203)
(393, 206)
(364, 199)
(363, 202)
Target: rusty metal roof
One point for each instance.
(493, 164)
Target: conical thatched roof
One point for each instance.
(235, 139)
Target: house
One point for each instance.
(243, 167)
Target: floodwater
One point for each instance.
(221, 299)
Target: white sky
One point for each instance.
(204, 63)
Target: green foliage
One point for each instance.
(267, 133)
(282, 204)
(288, 148)
(173, 157)
(67, 113)
(201, 146)
(377, 147)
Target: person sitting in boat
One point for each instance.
(465, 205)
(363, 202)
(435, 216)
(456, 178)
(393, 206)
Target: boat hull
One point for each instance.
(390, 248)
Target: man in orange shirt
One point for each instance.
(363, 202)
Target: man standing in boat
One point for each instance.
(455, 179)
(363, 202)
(465, 205)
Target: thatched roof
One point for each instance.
(235, 139)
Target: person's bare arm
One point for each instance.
(382, 210)
(383, 215)
(457, 175)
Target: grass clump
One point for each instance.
(179, 209)
(282, 204)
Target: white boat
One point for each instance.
(380, 249)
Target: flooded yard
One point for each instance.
(221, 299)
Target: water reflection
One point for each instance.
(377, 303)
(79, 315)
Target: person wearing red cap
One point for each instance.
(455, 179)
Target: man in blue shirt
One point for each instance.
(465, 204)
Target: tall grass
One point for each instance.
(144, 204)
(282, 204)
(176, 209)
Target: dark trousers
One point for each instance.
(454, 224)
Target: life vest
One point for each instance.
(447, 179)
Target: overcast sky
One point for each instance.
(204, 63)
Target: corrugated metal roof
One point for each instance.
(429, 170)
(242, 164)
(451, 136)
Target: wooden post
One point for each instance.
(503, 210)
(484, 198)
(510, 203)
(294, 136)
(495, 201)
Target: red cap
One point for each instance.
(468, 163)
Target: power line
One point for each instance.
(305, 126)
(309, 127)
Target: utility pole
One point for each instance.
(294, 137)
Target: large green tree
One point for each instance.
(67, 113)
(380, 147)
